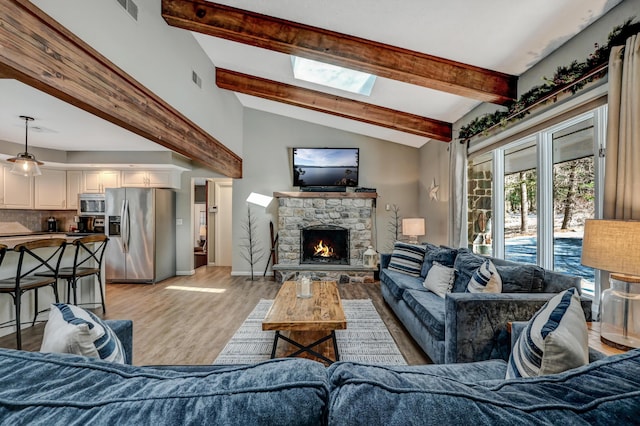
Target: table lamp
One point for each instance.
(614, 246)
(413, 228)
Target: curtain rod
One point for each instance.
(551, 95)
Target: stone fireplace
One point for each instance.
(342, 220)
(324, 244)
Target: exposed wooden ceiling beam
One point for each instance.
(340, 49)
(38, 51)
(335, 105)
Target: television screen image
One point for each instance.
(325, 166)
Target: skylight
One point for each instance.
(332, 76)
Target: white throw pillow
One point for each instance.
(439, 279)
(554, 340)
(73, 330)
(485, 279)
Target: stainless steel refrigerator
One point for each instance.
(141, 228)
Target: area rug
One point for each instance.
(365, 340)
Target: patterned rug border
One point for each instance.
(366, 339)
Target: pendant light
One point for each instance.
(25, 164)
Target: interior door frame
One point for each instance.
(217, 205)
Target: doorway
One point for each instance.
(212, 221)
(221, 216)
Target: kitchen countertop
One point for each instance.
(13, 240)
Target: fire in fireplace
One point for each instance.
(324, 244)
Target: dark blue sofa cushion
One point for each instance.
(521, 278)
(398, 282)
(67, 389)
(465, 265)
(429, 308)
(443, 255)
(604, 392)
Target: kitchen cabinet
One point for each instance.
(74, 187)
(95, 181)
(150, 178)
(16, 191)
(51, 190)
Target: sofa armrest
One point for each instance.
(385, 258)
(476, 324)
(124, 331)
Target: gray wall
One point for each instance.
(434, 164)
(390, 168)
(432, 155)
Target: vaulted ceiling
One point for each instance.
(435, 61)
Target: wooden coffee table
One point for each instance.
(322, 312)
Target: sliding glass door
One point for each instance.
(542, 188)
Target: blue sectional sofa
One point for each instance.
(467, 327)
(65, 389)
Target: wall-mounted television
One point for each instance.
(325, 167)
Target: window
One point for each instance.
(573, 197)
(520, 202)
(528, 200)
(332, 76)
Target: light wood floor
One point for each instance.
(188, 320)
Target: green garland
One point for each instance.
(564, 76)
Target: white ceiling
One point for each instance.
(503, 35)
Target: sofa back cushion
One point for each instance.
(443, 255)
(466, 263)
(65, 389)
(604, 392)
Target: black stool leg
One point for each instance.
(35, 308)
(104, 309)
(17, 306)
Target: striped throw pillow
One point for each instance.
(73, 330)
(407, 258)
(554, 340)
(485, 279)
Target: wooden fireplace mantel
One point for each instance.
(363, 195)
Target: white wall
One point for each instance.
(157, 55)
(390, 168)
(578, 48)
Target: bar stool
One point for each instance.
(87, 261)
(35, 258)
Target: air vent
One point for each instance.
(130, 7)
(196, 79)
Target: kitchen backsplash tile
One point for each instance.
(36, 220)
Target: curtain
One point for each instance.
(458, 194)
(622, 165)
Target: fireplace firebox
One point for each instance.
(324, 244)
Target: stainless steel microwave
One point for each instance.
(91, 205)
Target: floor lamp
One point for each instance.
(614, 246)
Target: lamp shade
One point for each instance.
(612, 245)
(413, 226)
(203, 231)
